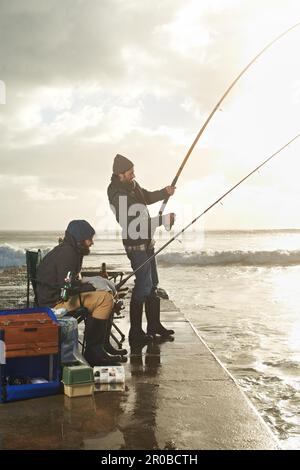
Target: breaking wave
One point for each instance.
(11, 257)
(226, 258)
(15, 257)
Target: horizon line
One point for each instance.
(110, 231)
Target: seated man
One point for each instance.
(51, 274)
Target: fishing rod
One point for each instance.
(205, 211)
(165, 201)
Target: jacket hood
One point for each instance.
(70, 240)
(80, 230)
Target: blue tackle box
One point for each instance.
(29, 353)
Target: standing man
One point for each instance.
(51, 274)
(129, 203)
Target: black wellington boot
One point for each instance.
(107, 346)
(95, 354)
(154, 327)
(136, 334)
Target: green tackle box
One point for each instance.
(77, 374)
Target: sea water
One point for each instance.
(240, 290)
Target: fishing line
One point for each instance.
(165, 201)
(205, 211)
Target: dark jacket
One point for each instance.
(54, 268)
(135, 195)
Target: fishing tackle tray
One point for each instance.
(30, 334)
(30, 358)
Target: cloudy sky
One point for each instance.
(86, 79)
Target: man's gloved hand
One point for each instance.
(168, 220)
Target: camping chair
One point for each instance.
(33, 258)
(118, 306)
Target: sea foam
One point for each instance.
(11, 257)
(225, 258)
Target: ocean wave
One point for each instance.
(227, 258)
(15, 257)
(283, 364)
(108, 253)
(11, 257)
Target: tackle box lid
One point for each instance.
(77, 374)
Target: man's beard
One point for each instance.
(129, 184)
(84, 250)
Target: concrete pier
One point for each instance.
(177, 396)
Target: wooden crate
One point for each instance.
(30, 334)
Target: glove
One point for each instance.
(168, 221)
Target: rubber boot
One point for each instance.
(136, 334)
(154, 327)
(107, 346)
(95, 354)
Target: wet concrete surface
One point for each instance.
(177, 396)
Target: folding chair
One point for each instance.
(113, 275)
(118, 275)
(33, 259)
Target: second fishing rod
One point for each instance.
(205, 211)
(217, 106)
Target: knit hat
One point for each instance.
(80, 230)
(121, 164)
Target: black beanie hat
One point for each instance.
(80, 230)
(121, 164)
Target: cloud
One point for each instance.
(87, 79)
(33, 188)
(46, 194)
(74, 40)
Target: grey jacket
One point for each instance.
(135, 195)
